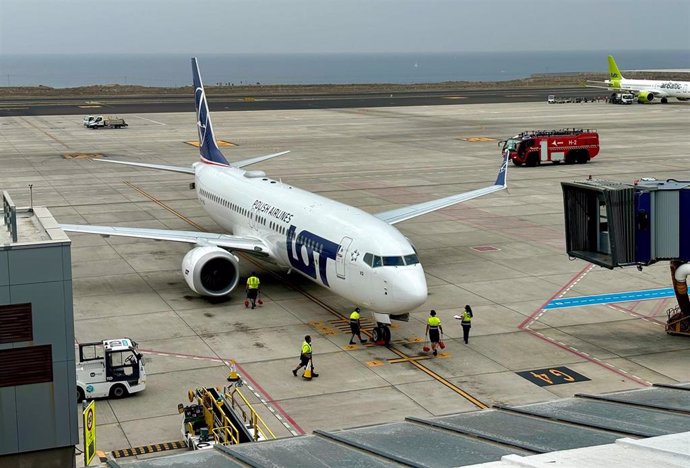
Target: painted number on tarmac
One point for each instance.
(552, 376)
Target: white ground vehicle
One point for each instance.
(110, 368)
(107, 122)
(88, 119)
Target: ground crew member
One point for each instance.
(253, 288)
(305, 357)
(466, 322)
(434, 330)
(354, 327)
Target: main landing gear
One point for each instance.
(381, 334)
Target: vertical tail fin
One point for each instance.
(614, 73)
(208, 149)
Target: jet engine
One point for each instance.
(211, 271)
(645, 96)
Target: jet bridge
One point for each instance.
(614, 224)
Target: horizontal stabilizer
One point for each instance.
(247, 162)
(160, 167)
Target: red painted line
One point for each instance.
(271, 400)
(633, 313)
(246, 375)
(587, 358)
(529, 319)
(658, 307)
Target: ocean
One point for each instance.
(173, 70)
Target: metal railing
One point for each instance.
(253, 420)
(9, 215)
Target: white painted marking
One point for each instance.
(154, 121)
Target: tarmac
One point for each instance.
(503, 254)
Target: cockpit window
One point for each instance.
(375, 261)
(411, 259)
(393, 261)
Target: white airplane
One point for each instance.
(357, 255)
(645, 90)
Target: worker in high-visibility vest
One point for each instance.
(253, 284)
(434, 330)
(466, 322)
(305, 357)
(355, 326)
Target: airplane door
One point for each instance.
(340, 257)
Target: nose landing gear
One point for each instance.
(381, 334)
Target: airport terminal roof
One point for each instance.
(587, 430)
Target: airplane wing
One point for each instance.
(412, 211)
(599, 84)
(241, 243)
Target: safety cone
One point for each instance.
(246, 303)
(307, 374)
(233, 377)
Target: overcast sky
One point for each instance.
(296, 26)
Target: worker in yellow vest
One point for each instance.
(355, 327)
(305, 358)
(466, 322)
(253, 284)
(434, 330)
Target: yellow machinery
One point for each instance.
(221, 417)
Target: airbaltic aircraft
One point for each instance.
(357, 255)
(645, 90)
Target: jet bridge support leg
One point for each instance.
(679, 317)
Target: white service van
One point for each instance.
(110, 368)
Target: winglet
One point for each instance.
(501, 179)
(208, 149)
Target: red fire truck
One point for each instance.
(571, 145)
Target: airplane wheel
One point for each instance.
(80, 395)
(532, 160)
(386, 335)
(376, 334)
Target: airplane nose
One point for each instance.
(410, 289)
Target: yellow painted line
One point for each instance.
(45, 133)
(152, 448)
(374, 363)
(12, 108)
(408, 359)
(89, 107)
(455, 97)
(478, 139)
(163, 205)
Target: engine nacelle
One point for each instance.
(211, 271)
(645, 96)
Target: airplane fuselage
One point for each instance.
(662, 88)
(337, 246)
